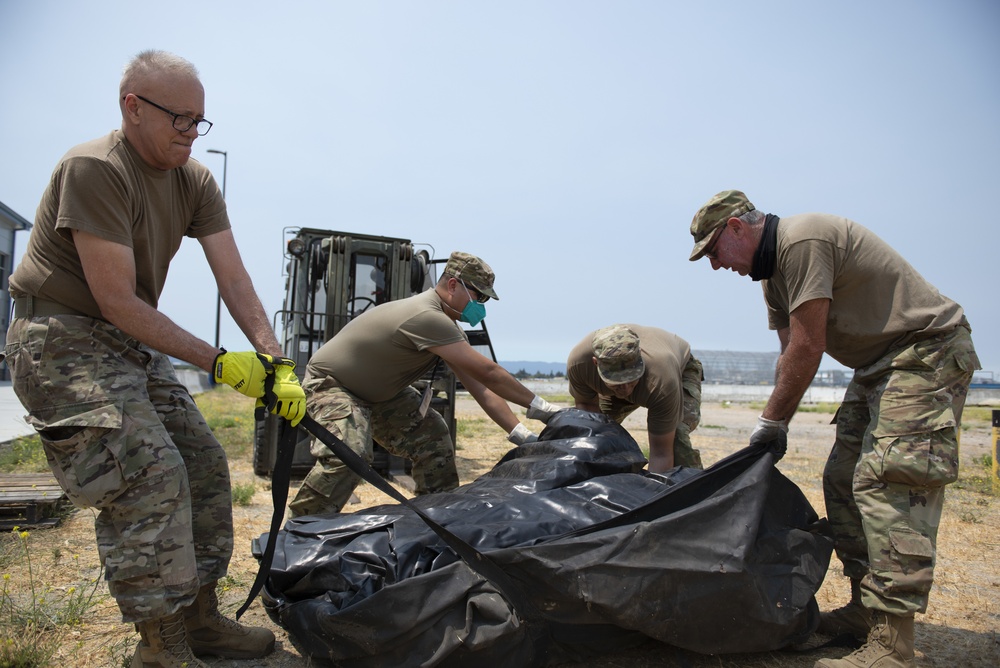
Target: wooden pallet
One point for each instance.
(29, 500)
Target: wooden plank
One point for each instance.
(22, 487)
(45, 487)
(8, 523)
(29, 500)
(21, 499)
(26, 479)
(32, 491)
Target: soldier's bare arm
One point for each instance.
(238, 292)
(803, 345)
(109, 268)
(464, 360)
(495, 406)
(661, 452)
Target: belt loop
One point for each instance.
(23, 307)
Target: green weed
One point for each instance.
(980, 415)
(984, 460)
(29, 647)
(228, 582)
(120, 652)
(979, 477)
(969, 517)
(243, 493)
(34, 616)
(230, 416)
(23, 455)
(474, 428)
(821, 407)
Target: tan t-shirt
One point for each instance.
(104, 188)
(659, 390)
(878, 300)
(384, 349)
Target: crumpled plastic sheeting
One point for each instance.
(717, 561)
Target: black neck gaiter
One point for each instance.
(767, 251)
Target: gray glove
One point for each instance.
(520, 435)
(541, 409)
(773, 433)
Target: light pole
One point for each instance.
(218, 293)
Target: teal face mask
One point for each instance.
(474, 312)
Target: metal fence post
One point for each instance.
(996, 450)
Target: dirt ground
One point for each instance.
(961, 627)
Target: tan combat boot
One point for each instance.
(163, 644)
(211, 634)
(853, 618)
(890, 645)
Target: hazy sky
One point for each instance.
(568, 143)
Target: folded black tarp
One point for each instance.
(603, 556)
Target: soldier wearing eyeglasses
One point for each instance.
(88, 351)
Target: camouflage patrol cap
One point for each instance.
(619, 359)
(723, 206)
(472, 271)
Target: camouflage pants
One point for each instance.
(896, 448)
(397, 426)
(123, 436)
(685, 453)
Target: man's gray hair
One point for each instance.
(754, 217)
(154, 61)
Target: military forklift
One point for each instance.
(331, 278)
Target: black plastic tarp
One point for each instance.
(603, 555)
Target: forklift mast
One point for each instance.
(331, 278)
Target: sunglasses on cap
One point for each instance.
(480, 297)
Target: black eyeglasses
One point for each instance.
(710, 251)
(480, 297)
(183, 123)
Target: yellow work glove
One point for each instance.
(244, 372)
(283, 395)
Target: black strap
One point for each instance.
(281, 478)
(476, 560)
(434, 371)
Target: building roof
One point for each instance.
(11, 219)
